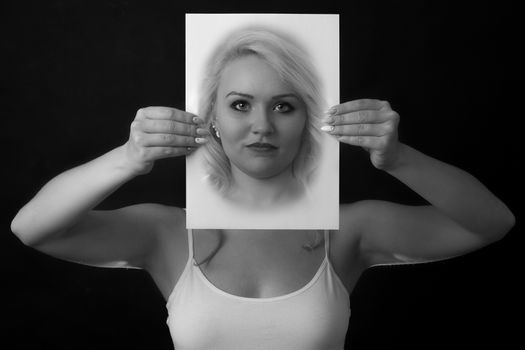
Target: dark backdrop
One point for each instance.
(76, 72)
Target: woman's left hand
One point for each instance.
(367, 123)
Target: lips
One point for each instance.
(262, 146)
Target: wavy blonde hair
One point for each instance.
(292, 64)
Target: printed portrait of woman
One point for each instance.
(261, 99)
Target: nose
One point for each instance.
(262, 123)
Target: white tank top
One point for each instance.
(204, 317)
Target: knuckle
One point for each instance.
(169, 112)
(164, 126)
(134, 125)
(395, 116)
(167, 138)
(392, 115)
(361, 116)
(187, 129)
(174, 127)
(140, 113)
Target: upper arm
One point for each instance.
(125, 237)
(393, 233)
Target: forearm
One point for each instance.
(68, 196)
(454, 192)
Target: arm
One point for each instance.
(60, 221)
(463, 215)
(454, 192)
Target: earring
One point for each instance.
(215, 131)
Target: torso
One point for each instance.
(254, 264)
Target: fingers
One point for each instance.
(165, 126)
(358, 105)
(359, 129)
(366, 123)
(166, 113)
(166, 152)
(161, 132)
(165, 140)
(361, 117)
(367, 142)
(162, 126)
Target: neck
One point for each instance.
(267, 192)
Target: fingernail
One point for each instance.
(201, 131)
(327, 128)
(197, 120)
(201, 140)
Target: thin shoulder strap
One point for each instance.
(190, 244)
(326, 242)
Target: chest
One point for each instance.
(258, 265)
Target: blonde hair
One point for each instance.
(292, 64)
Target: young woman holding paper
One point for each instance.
(269, 289)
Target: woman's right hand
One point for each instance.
(162, 132)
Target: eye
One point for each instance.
(240, 105)
(283, 107)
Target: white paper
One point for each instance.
(319, 209)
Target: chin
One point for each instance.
(263, 173)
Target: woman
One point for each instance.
(275, 164)
(260, 289)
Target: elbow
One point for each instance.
(17, 228)
(505, 224)
(23, 232)
(509, 223)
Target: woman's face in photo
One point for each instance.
(260, 118)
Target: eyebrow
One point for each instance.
(251, 97)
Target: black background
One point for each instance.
(75, 72)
